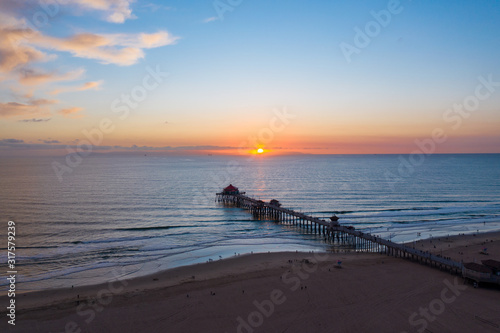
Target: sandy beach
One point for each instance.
(279, 292)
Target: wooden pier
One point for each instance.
(333, 231)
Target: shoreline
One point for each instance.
(434, 245)
(176, 276)
(30, 286)
(368, 289)
(462, 248)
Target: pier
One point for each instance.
(333, 231)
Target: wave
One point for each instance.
(125, 240)
(340, 212)
(63, 272)
(424, 211)
(493, 206)
(33, 247)
(153, 228)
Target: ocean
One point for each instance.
(144, 214)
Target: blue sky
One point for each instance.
(228, 72)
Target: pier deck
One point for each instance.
(358, 240)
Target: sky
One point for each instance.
(232, 76)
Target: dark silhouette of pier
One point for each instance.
(357, 240)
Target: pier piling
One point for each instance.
(333, 231)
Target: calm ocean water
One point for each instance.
(146, 214)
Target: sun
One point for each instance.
(260, 151)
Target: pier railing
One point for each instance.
(358, 240)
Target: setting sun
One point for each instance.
(260, 151)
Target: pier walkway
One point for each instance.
(357, 240)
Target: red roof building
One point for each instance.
(231, 190)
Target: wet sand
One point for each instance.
(279, 292)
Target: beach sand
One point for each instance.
(279, 292)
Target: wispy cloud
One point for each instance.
(91, 85)
(72, 112)
(24, 50)
(37, 107)
(55, 144)
(36, 77)
(86, 86)
(11, 141)
(115, 11)
(35, 120)
(118, 49)
(210, 19)
(49, 141)
(14, 57)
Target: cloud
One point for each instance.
(35, 77)
(118, 49)
(11, 141)
(86, 86)
(20, 45)
(13, 109)
(35, 120)
(116, 11)
(13, 53)
(24, 50)
(11, 58)
(43, 101)
(91, 85)
(210, 19)
(55, 144)
(142, 148)
(32, 108)
(71, 112)
(19, 147)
